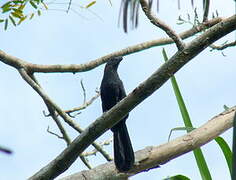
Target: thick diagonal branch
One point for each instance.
(154, 156)
(144, 90)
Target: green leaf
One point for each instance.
(178, 177)
(31, 16)
(33, 5)
(202, 165)
(21, 20)
(179, 98)
(39, 13)
(2, 20)
(90, 4)
(17, 15)
(201, 162)
(233, 176)
(18, 2)
(12, 20)
(6, 7)
(45, 5)
(226, 151)
(8, 4)
(21, 7)
(6, 24)
(17, 10)
(38, 1)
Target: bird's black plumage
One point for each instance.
(112, 91)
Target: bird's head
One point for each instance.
(114, 62)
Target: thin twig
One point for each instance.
(84, 90)
(83, 106)
(73, 68)
(69, 6)
(33, 82)
(94, 152)
(157, 22)
(85, 161)
(58, 123)
(224, 46)
(66, 118)
(52, 112)
(54, 134)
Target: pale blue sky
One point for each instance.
(207, 83)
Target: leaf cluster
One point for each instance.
(15, 11)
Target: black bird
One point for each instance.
(112, 91)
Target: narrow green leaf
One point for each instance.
(6, 8)
(21, 7)
(202, 165)
(90, 4)
(6, 24)
(7, 4)
(179, 98)
(17, 10)
(177, 177)
(17, 15)
(21, 20)
(18, 2)
(2, 20)
(226, 151)
(233, 176)
(39, 13)
(45, 5)
(31, 16)
(12, 20)
(201, 162)
(33, 5)
(37, 1)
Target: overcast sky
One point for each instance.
(207, 83)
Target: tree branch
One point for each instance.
(73, 68)
(224, 46)
(94, 152)
(154, 156)
(49, 102)
(84, 105)
(157, 22)
(51, 110)
(59, 125)
(144, 90)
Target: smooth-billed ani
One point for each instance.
(112, 91)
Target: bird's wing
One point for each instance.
(110, 94)
(122, 93)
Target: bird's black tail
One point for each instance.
(123, 151)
